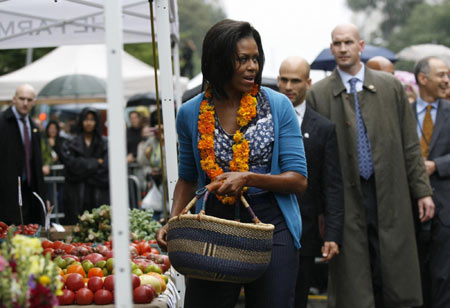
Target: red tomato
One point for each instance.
(58, 245)
(68, 248)
(135, 281)
(67, 298)
(144, 247)
(74, 281)
(103, 297)
(84, 296)
(151, 288)
(108, 283)
(95, 283)
(142, 295)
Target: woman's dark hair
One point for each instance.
(154, 118)
(219, 53)
(52, 122)
(82, 117)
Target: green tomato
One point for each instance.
(87, 265)
(100, 263)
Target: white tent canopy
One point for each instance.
(56, 22)
(138, 77)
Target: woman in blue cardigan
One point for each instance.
(246, 140)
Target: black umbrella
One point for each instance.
(325, 60)
(265, 81)
(142, 99)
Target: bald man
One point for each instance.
(324, 196)
(20, 157)
(380, 63)
(382, 168)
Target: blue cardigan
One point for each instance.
(288, 152)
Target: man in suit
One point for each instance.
(433, 126)
(323, 202)
(382, 167)
(20, 156)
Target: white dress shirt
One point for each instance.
(300, 111)
(345, 77)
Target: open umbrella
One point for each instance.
(76, 88)
(142, 99)
(325, 60)
(416, 52)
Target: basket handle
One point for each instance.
(205, 191)
(255, 219)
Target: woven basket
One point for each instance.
(211, 248)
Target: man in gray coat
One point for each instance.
(382, 168)
(433, 126)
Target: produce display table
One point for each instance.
(159, 302)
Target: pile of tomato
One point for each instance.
(86, 270)
(29, 229)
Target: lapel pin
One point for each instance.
(306, 135)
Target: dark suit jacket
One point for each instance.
(439, 152)
(325, 193)
(12, 162)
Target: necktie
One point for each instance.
(363, 143)
(27, 145)
(427, 131)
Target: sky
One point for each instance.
(290, 27)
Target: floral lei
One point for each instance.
(206, 126)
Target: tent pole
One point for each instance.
(117, 163)
(29, 56)
(158, 110)
(162, 27)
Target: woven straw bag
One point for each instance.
(211, 248)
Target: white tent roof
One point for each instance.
(79, 59)
(37, 23)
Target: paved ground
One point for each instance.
(313, 302)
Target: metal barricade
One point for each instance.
(54, 179)
(57, 177)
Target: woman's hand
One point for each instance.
(161, 237)
(230, 183)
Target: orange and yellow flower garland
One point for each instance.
(206, 126)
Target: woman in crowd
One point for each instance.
(51, 146)
(85, 158)
(149, 159)
(239, 135)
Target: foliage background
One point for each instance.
(408, 22)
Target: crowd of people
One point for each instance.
(354, 169)
(79, 153)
